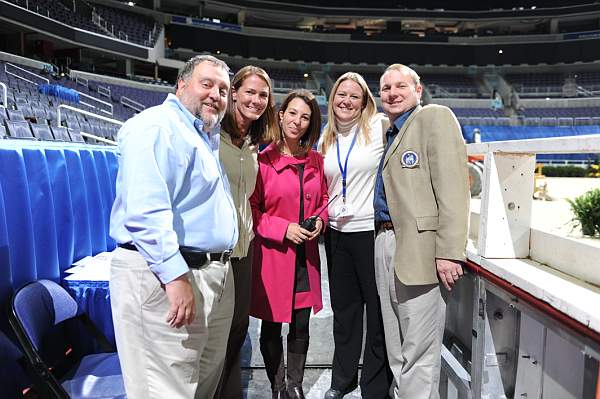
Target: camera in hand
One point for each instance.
(310, 223)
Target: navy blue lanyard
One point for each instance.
(344, 169)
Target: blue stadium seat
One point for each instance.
(76, 136)
(19, 129)
(42, 131)
(15, 115)
(40, 115)
(51, 113)
(60, 133)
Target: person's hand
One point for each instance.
(296, 234)
(449, 271)
(181, 298)
(318, 227)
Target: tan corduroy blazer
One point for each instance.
(428, 202)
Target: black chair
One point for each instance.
(19, 129)
(51, 331)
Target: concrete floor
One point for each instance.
(317, 378)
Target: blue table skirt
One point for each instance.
(93, 298)
(55, 202)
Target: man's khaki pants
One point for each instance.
(159, 361)
(413, 322)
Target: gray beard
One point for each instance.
(212, 121)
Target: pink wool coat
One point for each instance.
(276, 203)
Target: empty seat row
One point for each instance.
(25, 130)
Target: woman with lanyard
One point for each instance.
(249, 120)
(352, 143)
(286, 284)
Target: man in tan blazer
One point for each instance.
(421, 209)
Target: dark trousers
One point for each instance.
(352, 286)
(299, 327)
(230, 385)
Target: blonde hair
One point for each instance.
(369, 109)
(403, 68)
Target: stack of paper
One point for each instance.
(96, 268)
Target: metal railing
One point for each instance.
(109, 105)
(82, 81)
(104, 91)
(128, 102)
(4, 95)
(584, 92)
(26, 71)
(91, 114)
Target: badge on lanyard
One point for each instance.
(343, 210)
(344, 169)
(409, 159)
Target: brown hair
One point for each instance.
(369, 109)
(311, 135)
(263, 127)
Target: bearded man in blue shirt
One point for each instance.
(175, 222)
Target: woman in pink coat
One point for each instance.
(290, 187)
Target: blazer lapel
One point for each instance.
(400, 135)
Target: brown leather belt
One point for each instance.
(194, 258)
(383, 226)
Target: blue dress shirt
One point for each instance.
(171, 189)
(382, 212)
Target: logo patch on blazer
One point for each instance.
(409, 159)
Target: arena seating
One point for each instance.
(287, 79)
(28, 111)
(451, 86)
(131, 27)
(590, 81)
(537, 84)
(58, 11)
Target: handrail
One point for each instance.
(104, 91)
(26, 71)
(109, 105)
(582, 144)
(104, 118)
(5, 96)
(93, 136)
(82, 81)
(128, 102)
(584, 91)
(98, 138)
